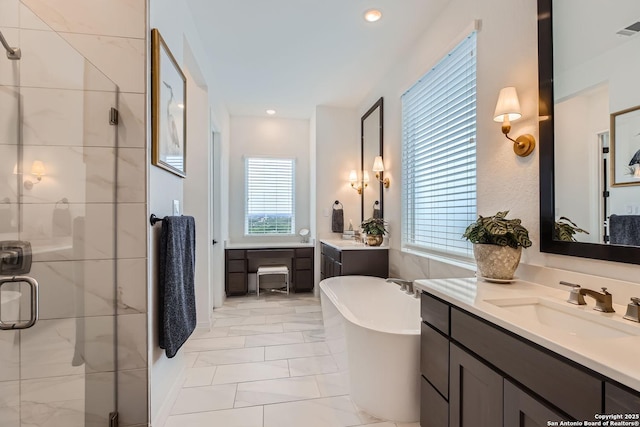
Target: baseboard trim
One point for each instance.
(165, 410)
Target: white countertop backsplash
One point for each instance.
(617, 358)
(267, 245)
(346, 245)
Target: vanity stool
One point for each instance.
(272, 270)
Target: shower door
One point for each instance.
(58, 197)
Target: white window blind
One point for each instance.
(439, 154)
(270, 207)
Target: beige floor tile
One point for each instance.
(241, 417)
(276, 391)
(199, 376)
(228, 357)
(296, 350)
(274, 339)
(202, 399)
(312, 365)
(256, 371)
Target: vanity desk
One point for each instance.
(525, 355)
(241, 259)
(349, 258)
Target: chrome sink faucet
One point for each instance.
(604, 300)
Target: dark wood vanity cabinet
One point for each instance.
(352, 262)
(239, 263)
(303, 270)
(486, 376)
(236, 272)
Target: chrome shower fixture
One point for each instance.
(13, 53)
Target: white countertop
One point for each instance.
(617, 358)
(346, 245)
(266, 245)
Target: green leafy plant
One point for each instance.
(497, 230)
(564, 229)
(373, 226)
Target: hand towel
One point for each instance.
(337, 220)
(624, 230)
(177, 282)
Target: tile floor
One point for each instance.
(265, 364)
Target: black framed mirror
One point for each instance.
(371, 139)
(587, 70)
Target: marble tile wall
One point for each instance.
(79, 59)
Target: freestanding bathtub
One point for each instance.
(373, 331)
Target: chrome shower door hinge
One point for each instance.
(113, 116)
(113, 419)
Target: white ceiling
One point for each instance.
(291, 55)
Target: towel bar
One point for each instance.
(153, 219)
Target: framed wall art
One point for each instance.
(625, 147)
(168, 109)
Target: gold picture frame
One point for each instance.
(168, 109)
(625, 147)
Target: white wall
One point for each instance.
(577, 154)
(198, 193)
(507, 56)
(177, 28)
(337, 151)
(267, 137)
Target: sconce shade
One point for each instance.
(508, 104)
(378, 166)
(353, 176)
(365, 177)
(37, 168)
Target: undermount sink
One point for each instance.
(577, 321)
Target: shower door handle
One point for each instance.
(35, 300)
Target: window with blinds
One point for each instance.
(439, 155)
(270, 207)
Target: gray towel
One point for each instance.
(176, 282)
(337, 221)
(624, 230)
(376, 213)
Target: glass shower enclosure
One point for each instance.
(58, 199)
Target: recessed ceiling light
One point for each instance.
(271, 112)
(372, 15)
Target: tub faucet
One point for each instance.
(405, 285)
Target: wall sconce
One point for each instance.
(38, 170)
(378, 168)
(507, 110)
(357, 184)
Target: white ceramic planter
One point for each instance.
(496, 262)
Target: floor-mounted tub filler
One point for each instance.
(373, 331)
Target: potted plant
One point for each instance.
(564, 229)
(374, 229)
(497, 245)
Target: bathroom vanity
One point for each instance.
(243, 259)
(349, 258)
(520, 355)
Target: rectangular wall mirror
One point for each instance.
(589, 63)
(371, 129)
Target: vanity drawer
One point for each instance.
(304, 252)
(619, 401)
(303, 263)
(435, 313)
(434, 358)
(572, 390)
(332, 252)
(236, 266)
(235, 254)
